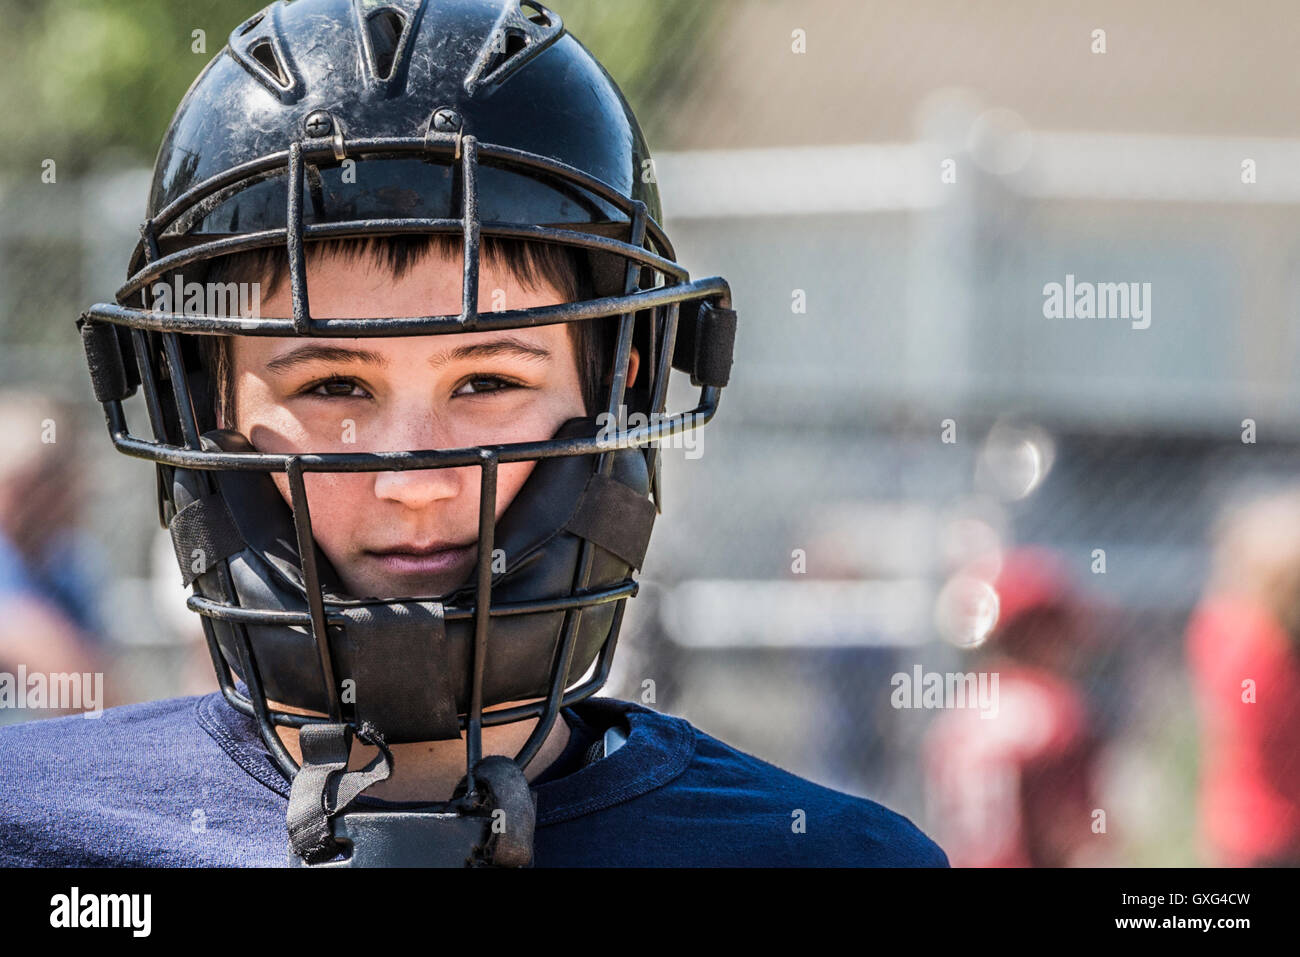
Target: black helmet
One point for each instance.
(328, 119)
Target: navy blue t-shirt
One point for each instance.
(188, 782)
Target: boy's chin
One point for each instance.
(389, 587)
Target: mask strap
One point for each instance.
(323, 786)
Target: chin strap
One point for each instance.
(323, 786)
(492, 827)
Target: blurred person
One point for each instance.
(48, 577)
(1243, 650)
(1016, 788)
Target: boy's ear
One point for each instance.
(633, 366)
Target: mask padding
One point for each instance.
(263, 517)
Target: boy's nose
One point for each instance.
(420, 488)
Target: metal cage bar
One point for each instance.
(264, 238)
(401, 461)
(604, 464)
(253, 616)
(294, 240)
(311, 582)
(482, 611)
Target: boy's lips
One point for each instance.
(429, 560)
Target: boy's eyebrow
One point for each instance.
(322, 352)
(505, 345)
(319, 352)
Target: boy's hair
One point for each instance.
(531, 263)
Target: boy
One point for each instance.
(389, 485)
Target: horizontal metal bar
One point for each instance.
(430, 146)
(290, 719)
(416, 325)
(221, 611)
(422, 459)
(628, 588)
(266, 238)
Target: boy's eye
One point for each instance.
(483, 384)
(340, 388)
(337, 389)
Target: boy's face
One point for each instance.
(399, 394)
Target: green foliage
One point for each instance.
(84, 76)
(650, 47)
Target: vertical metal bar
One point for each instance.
(488, 462)
(293, 235)
(606, 656)
(555, 701)
(311, 581)
(139, 339)
(604, 465)
(551, 710)
(470, 228)
(623, 351)
(156, 420)
(150, 241)
(181, 390)
(659, 398)
(257, 695)
(482, 609)
(225, 677)
(252, 676)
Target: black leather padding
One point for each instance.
(400, 667)
(706, 341)
(615, 518)
(512, 806)
(203, 533)
(110, 376)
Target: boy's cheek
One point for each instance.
(510, 479)
(331, 499)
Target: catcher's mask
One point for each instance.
(336, 119)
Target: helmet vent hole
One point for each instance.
(515, 41)
(506, 46)
(264, 53)
(540, 16)
(385, 28)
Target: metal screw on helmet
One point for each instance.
(446, 120)
(319, 124)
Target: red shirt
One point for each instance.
(1013, 790)
(1250, 774)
